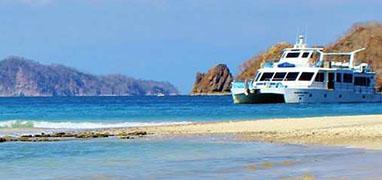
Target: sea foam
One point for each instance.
(80, 125)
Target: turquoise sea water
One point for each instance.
(90, 112)
(170, 158)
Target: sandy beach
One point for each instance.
(362, 131)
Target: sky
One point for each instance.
(168, 40)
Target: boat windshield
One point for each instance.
(291, 76)
(267, 76)
(305, 54)
(292, 55)
(306, 76)
(319, 77)
(279, 76)
(258, 76)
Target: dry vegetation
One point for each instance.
(363, 35)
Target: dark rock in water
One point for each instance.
(2, 140)
(83, 135)
(22, 77)
(26, 136)
(86, 135)
(60, 134)
(216, 81)
(137, 133)
(131, 135)
(126, 137)
(100, 135)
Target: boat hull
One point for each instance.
(330, 96)
(252, 98)
(305, 96)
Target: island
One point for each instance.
(23, 77)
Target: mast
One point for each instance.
(300, 44)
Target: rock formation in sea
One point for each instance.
(216, 81)
(23, 77)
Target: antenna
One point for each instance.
(298, 34)
(306, 34)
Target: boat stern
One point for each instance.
(243, 94)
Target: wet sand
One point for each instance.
(362, 131)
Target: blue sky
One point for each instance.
(167, 40)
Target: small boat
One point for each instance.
(303, 76)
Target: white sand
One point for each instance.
(363, 131)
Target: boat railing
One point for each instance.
(350, 54)
(239, 84)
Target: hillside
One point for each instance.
(22, 77)
(363, 35)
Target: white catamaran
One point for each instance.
(299, 78)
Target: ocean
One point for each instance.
(169, 157)
(98, 112)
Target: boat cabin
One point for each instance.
(316, 78)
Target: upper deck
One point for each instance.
(298, 56)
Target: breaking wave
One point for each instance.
(80, 125)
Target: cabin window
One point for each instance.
(258, 76)
(306, 76)
(279, 76)
(267, 76)
(291, 76)
(361, 81)
(348, 78)
(339, 77)
(320, 77)
(305, 54)
(292, 55)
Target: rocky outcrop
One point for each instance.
(62, 136)
(216, 81)
(22, 77)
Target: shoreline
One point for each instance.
(360, 131)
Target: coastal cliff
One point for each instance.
(216, 81)
(23, 77)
